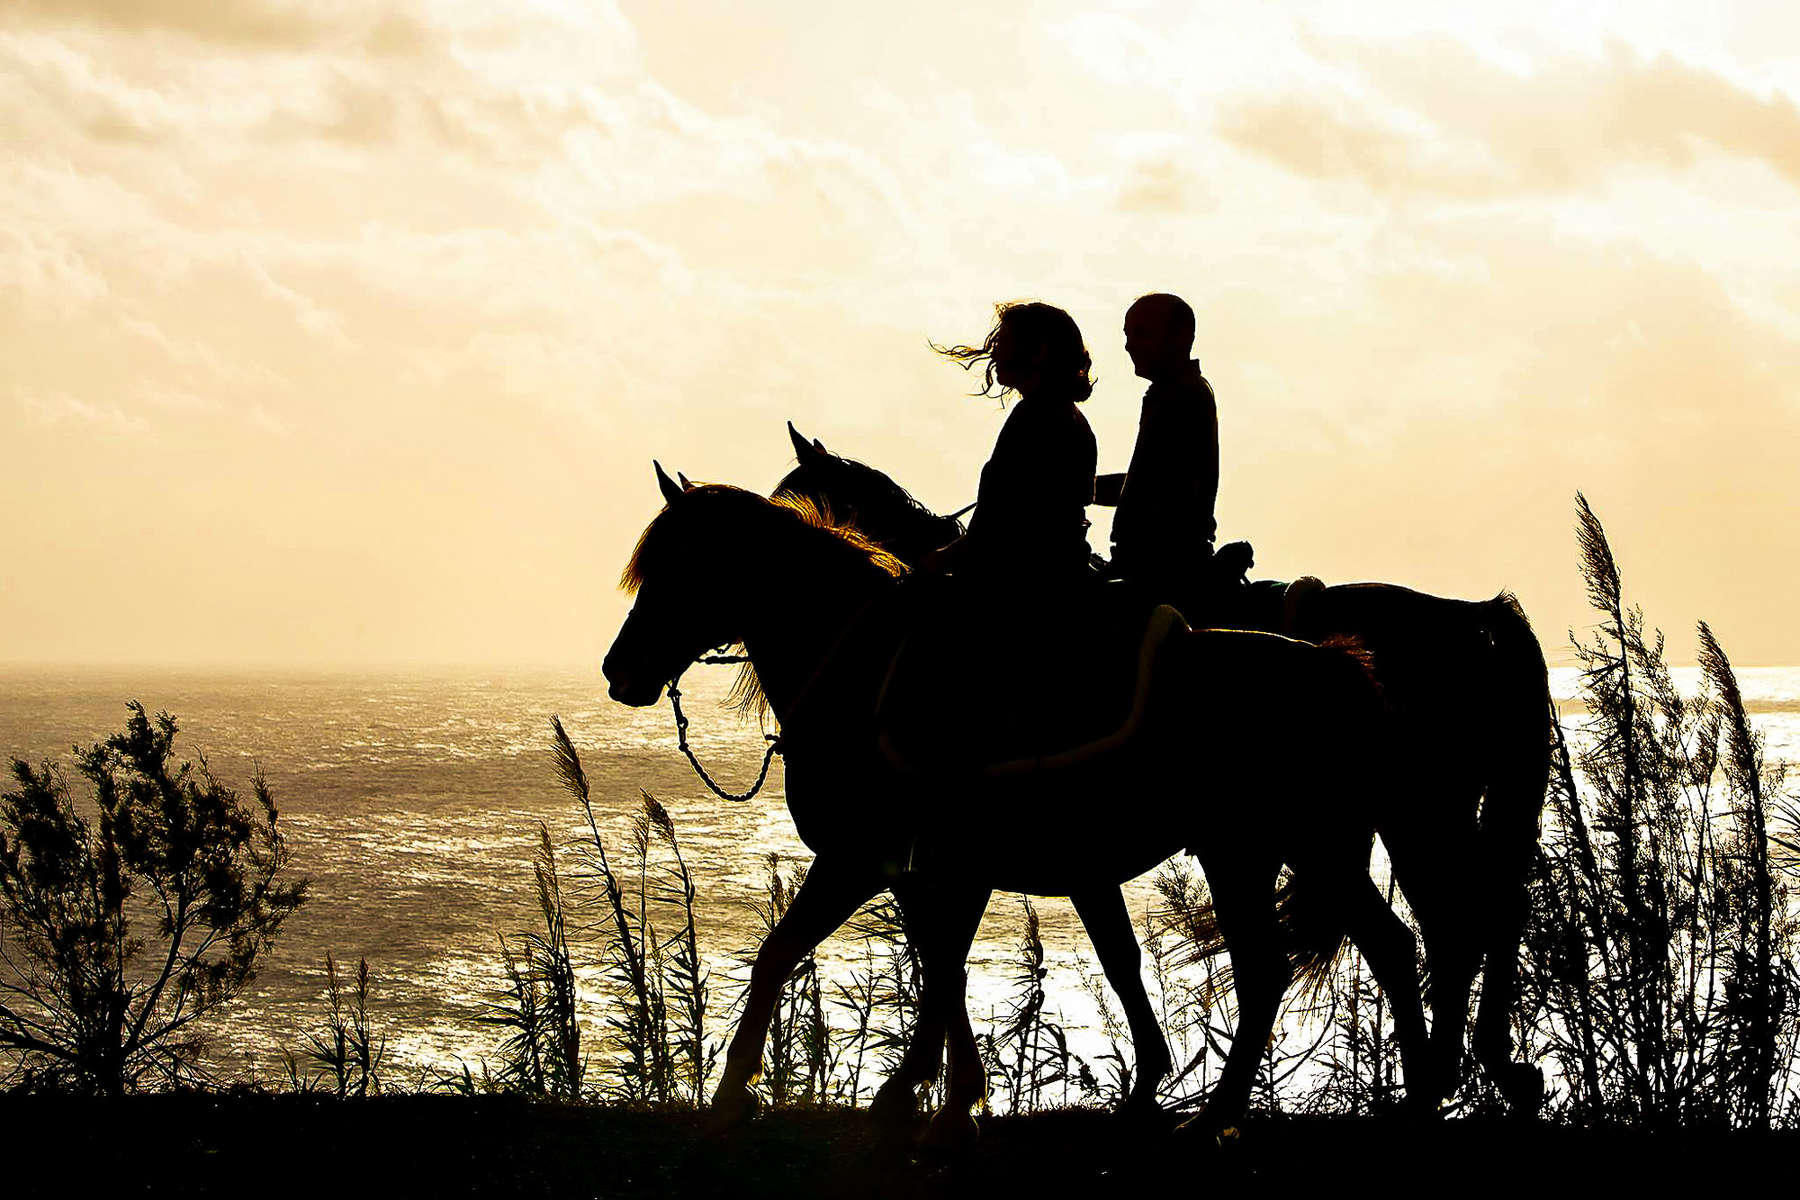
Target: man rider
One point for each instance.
(1162, 533)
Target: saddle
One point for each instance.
(1221, 595)
(960, 702)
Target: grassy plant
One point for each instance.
(882, 996)
(1359, 1066)
(658, 988)
(1762, 988)
(685, 982)
(1110, 1091)
(1661, 951)
(1182, 943)
(345, 1058)
(1028, 1053)
(542, 1054)
(800, 1060)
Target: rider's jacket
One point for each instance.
(1164, 521)
(1031, 511)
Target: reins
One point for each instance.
(774, 739)
(681, 727)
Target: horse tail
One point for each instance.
(1520, 716)
(1313, 939)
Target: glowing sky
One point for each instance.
(339, 332)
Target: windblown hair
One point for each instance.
(1033, 325)
(731, 516)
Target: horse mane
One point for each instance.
(794, 515)
(882, 485)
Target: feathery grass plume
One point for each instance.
(883, 996)
(1028, 1051)
(348, 1053)
(1112, 1091)
(640, 1076)
(1599, 570)
(1652, 977)
(799, 1060)
(555, 966)
(542, 1056)
(685, 980)
(519, 1009)
(1762, 999)
(858, 997)
(1175, 1004)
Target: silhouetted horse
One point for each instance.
(1468, 693)
(1280, 730)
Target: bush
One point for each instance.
(120, 931)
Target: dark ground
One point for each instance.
(250, 1145)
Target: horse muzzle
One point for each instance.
(637, 691)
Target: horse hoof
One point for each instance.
(1142, 1105)
(950, 1130)
(1205, 1132)
(731, 1108)
(1424, 1107)
(893, 1107)
(1523, 1086)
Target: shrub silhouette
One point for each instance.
(119, 932)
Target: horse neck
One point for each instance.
(801, 622)
(908, 531)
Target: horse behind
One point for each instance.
(1469, 704)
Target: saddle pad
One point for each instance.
(1057, 708)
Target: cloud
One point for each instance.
(46, 272)
(254, 24)
(1432, 116)
(55, 408)
(1163, 187)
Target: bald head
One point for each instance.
(1159, 335)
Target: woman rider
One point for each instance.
(1019, 571)
(1030, 522)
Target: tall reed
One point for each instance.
(346, 1057)
(658, 985)
(1660, 955)
(542, 1054)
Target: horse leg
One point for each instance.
(1108, 923)
(1243, 892)
(1437, 886)
(1391, 951)
(1521, 1083)
(944, 956)
(828, 896)
(896, 1101)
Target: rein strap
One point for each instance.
(681, 727)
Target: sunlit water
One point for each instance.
(411, 802)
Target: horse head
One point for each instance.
(674, 574)
(857, 494)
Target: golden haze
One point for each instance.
(345, 333)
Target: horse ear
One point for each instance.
(803, 449)
(670, 489)
(820, 446)
(685, 485)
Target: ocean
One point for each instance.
(411, 801)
